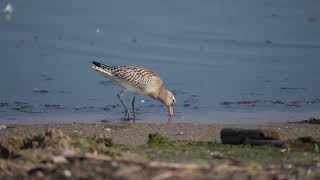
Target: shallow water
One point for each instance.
(226, 61)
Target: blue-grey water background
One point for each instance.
(226, 61)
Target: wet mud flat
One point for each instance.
(153, 151)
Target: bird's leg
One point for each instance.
(134, 113)
(127, 116)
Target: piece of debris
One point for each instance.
(8, 10)
(67, 173)
(309, 121)
(2, 126)
(59, 159)
(40, 91)
(250, 136)
(306, 143)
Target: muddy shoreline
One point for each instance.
(137, 133)
(125, 151)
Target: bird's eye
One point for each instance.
(173, 100)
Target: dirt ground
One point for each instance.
(82, 151)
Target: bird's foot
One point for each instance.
(127, 116)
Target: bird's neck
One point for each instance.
(162, 94)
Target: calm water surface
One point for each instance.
(226, 61)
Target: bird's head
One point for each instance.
(167, 98)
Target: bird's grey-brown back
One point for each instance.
(139, 80)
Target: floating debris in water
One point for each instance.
(52, 106)
(134, 39)
(64, 92)
(8, 10)
(142, 101)
(290, 88)
(268, 42)
(40, 91)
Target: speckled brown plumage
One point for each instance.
(139, 80)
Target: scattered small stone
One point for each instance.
(69, 153)
(283, 150)
(2, 126)
(181, 133)
(67, 173)
(195, 124)
(288, 166)
(59, 159)
(216, 154)
(114, 164)
(107, 129)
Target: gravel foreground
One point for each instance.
(125, 151)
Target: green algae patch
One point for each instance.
(162, 148)
(157, 140)
(86, 144)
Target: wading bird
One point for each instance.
(139, 81)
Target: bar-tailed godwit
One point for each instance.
(139, 81)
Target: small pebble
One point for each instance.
(114, 164)
(3, 127)
(142, 101)
(67, 173)
(283, 150)
(107, 129)
(69, 153)
(196, 124)
(309, 171)
(59, 159)
(288, 166)
(181, 133)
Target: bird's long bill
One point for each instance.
(170, 110)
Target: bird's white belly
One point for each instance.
(129, 87)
